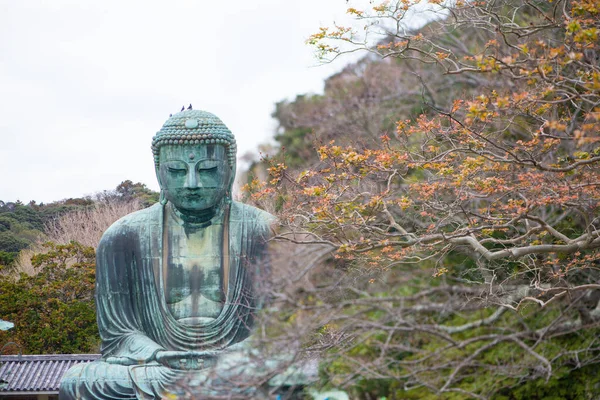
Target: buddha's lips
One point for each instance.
(205, 192)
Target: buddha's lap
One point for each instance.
(102, 380)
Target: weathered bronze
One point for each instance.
(175, 282)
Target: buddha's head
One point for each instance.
(194, 156)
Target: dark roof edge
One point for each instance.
(50, 357)
(27, 392)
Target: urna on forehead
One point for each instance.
(194, 127)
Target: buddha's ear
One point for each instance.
(232, 169)
(162, 199)
(157, 170)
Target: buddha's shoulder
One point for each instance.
(247, 213)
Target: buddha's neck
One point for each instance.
(197, 216)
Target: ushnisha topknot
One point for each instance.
(194, 127)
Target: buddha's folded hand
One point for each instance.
(123, 361)
(187, 360)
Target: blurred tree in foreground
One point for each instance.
(463, 218)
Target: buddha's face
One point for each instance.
(194, 177)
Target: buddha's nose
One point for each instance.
(192, 180)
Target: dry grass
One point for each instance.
(85, 226)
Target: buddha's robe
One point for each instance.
(134, 319)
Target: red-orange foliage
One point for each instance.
(507, 174)
(497, 175)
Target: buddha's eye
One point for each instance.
(205, 169)
(176, 170)
(176, 167)
(207, 166)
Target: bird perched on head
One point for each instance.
(190, 107)
(182, 108)
(170, 115)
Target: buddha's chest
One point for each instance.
(193, 278)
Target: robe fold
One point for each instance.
(134, 319)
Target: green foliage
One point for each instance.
(129, 190)
(18, 228)
(54, 210)
(7, 258)
(568, 384)
(294, 143)
(10, 242)
(5, 223)
(53, 311)
(294, 134)
(26, 215)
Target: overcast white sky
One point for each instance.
(84, 85)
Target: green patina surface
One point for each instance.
(6, 325)
(175, 282)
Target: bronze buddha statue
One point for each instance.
(175, 282)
